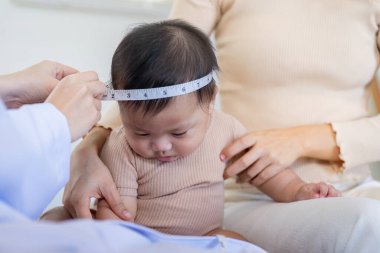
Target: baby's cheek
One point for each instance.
(187, 146)
(142, 148)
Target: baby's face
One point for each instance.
(174, 132)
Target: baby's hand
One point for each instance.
(314, 191)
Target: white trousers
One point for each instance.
(349, 224)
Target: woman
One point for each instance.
(297, 74)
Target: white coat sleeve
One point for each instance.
(34, 156)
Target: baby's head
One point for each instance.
(159, 55)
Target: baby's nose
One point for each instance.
(162, 145)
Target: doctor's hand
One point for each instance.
(78, 97)
(32, 85)
(89, 177)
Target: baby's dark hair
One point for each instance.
(161, 54)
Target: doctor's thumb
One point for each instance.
(112, 196)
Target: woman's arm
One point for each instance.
(318, 142)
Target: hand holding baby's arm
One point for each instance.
(105, 212)
(314, 191)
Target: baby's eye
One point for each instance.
(179, 134)
(141, 134)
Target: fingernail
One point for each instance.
(222, 157)
(127, 214)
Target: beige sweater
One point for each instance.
(293, 62)
(181, 197)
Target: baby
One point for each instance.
(165, 156)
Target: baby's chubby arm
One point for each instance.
(286, 186)
(104, 212)
(118, 158)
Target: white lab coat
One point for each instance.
(34, 165)
(34, 156)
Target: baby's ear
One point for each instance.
(213, 100)
(211, 106)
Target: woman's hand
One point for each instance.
(32, 85)
(263, 154)
(89, 177)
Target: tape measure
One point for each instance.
(157, 93)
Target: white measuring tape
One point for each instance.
(156, 93)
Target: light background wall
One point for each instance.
(83, 39)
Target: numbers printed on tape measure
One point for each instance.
(157, 93)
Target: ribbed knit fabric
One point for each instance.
(183, 197)
(286, 63)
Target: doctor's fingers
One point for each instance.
(98, 104)
(80, 209)
(112, 197)
(257, 167)
(86, 82)
(85, 104)
(86, 76)
(243, 163)
(63, 70)
(77, 203)
(95, 89)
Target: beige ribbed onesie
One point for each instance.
(185, 196)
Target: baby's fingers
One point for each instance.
(334, 192)
(323, 190)
(308, 191)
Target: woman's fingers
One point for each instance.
(267, 173)
(237, 146)
(242, 163)
(250, 173)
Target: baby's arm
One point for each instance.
(287, 187)
(104, 212)
(118, 158)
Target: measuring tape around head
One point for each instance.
(157, 93)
